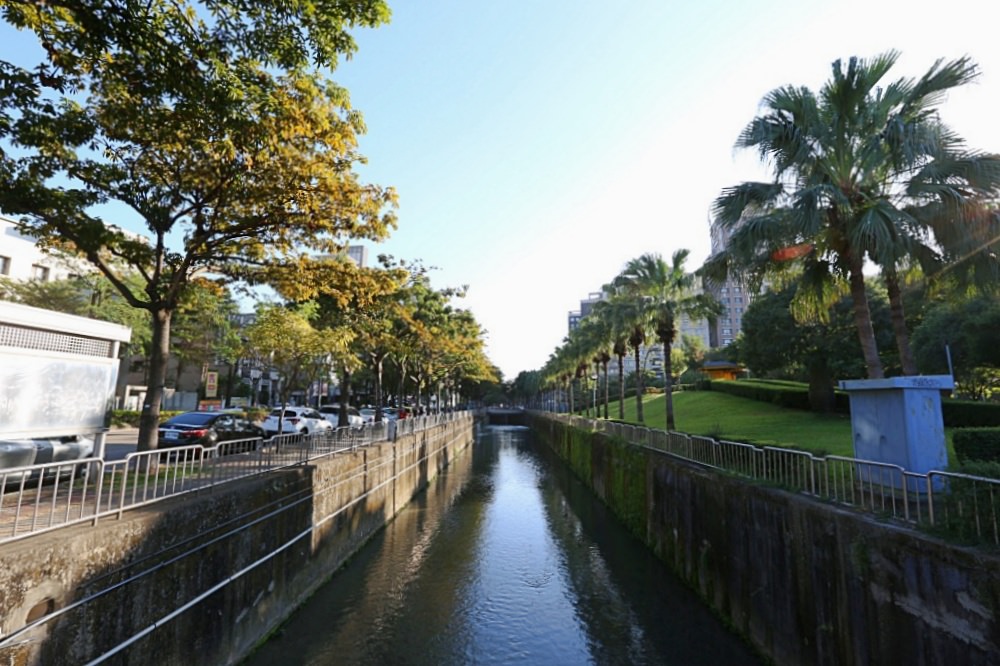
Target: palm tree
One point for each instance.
(857, 169)
(615, 315)
(667, 292)
(595, 335)
(629, 322)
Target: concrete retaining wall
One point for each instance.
(804, 582)
(201, 579)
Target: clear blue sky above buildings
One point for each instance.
(538, 146)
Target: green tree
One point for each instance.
(297, 350)
(213, 134)
(618, 315)
(667, 293)
(527, 387)
(775, 343)
(966, 329)
(864, 169)
(203, 329)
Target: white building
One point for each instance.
(22, 259)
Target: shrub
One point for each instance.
(793, 397)
(970, 413)
(125, 418)
(981, 444)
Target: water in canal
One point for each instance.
(506, 559)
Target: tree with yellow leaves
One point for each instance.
(217, 137)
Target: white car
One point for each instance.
(332, 414)
(304, 420)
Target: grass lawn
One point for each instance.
(724, 416)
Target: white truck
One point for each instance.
(58, 374)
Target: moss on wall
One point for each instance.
(804, 581)
(265, 543)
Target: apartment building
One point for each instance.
(734, 298)
(22, 259)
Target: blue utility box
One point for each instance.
(898, 420)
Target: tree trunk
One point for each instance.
(149, 420)
(639, 389)
(605, 364)
(345, 398)
(668, 385)
(379, 360)
(821, 394)
(621, 387)
(863, 318)
(909, 366)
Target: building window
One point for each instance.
(727, 331)
(39, 272)
(4, 265)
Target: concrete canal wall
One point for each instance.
(805, 582)
(201, 579)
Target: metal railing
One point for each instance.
(41, 498)
(958, 506)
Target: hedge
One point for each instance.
(977, 443)
(970, 413)
(795, 395)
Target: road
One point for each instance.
(120, 442)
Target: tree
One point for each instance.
(527, 386)
(214, 134)
(666, 292)
(299, 352)
(775, 343)
(963, 331)
(862, 170)
(203, 329)
(596, 341)
(618, 314)
(364, 301)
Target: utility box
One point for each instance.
(898, 421)
(57, 373)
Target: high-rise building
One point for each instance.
(358, 254)
(586, 307)
(733, 296)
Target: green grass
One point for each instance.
(724, 416)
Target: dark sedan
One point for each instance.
(206, 428)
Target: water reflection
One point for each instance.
(506, 559)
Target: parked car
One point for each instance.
(206, 428)
(304, 420)
(368, 414)
(332, 414)
(390, 413)
(39, 451)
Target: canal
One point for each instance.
(506, 559)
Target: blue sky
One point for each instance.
(538, 146)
